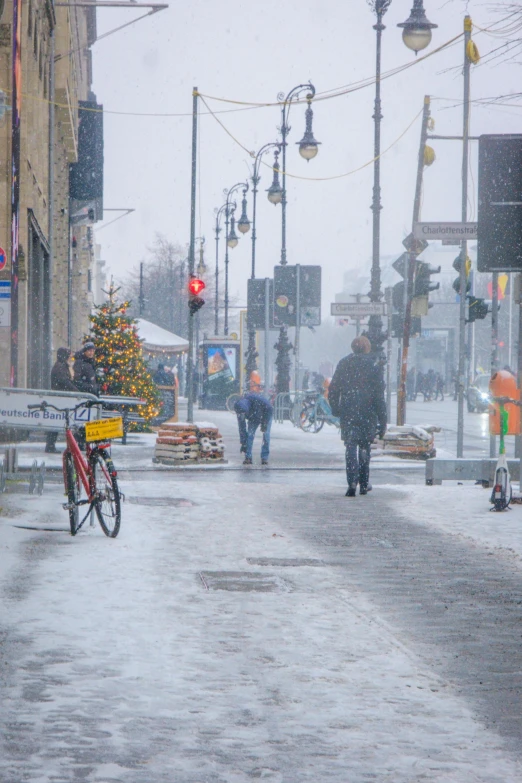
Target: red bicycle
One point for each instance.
(89, 480)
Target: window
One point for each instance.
(30, 19)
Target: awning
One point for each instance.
(155, 339)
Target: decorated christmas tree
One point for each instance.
(119, 355)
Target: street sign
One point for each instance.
(445, 230)
(414, 245)
(14, 410)
(3, 259)
(358, 309)
(5, 303)
(400, 264)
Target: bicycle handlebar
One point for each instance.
(41, 406)
(506, 400)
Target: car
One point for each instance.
(478, 394)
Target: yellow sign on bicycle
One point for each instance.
(104, 429)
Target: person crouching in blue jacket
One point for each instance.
(255, 409)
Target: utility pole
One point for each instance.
(389, 304)
(297, 325)
(191, 260)
(357, 320)
(267, 333)
(464, 244)
(141, 300)
(494, 346)
(410, 270)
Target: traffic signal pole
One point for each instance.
(494, 347)
(297, 325)
(464, 244)
(191, 258)
(410, 270)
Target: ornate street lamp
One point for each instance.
(219, 214)
(416, 35)
(251, 352)
(416, 30)
(275, 191)
(231, 238)
(308, 148)
(243, 224)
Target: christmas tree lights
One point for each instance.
(119, 355)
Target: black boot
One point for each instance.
(350, 492)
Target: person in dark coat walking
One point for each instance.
(161, 376)
(257, 410)
(356, 396)
(61, 380)
(85, 370)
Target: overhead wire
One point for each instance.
(315, 179)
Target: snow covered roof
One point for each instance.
(155, 338)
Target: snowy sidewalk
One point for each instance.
(193, 649)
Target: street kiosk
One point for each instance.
(219, 363)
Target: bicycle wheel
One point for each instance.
(231, 401)
(305, 417)
(317, 421)
(107, 501)
(72, 489)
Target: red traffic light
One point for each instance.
(195, 286)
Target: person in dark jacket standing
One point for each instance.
(61, 380)
(356, 396)
(85, 370)
(257, 410)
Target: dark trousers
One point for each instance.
(358, 448)
(51, 438)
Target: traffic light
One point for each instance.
(478, 308)
(422, 285)
(285, 295)
(256, 303)
(397, 326)
(457, 266)
(499, 246)
(195, 287)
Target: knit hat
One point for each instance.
(88, 345)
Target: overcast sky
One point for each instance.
(250, 52)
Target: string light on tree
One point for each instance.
(119, 355)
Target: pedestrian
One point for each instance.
(455, 384)
(61, 380)
(356, 397)
(161, 377)
(85, 370)
(410, 385)
(430, 385)
(257, 411)
(439, 386)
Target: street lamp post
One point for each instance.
(231, 238)
(375, 333)
(219, 214)
(274, 196)
(416, 36)
(308, 149)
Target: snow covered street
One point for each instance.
(256, 624)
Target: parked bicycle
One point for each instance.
(92, 476)
(315, 412)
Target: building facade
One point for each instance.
(49, 249)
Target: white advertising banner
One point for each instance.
(14, 410)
